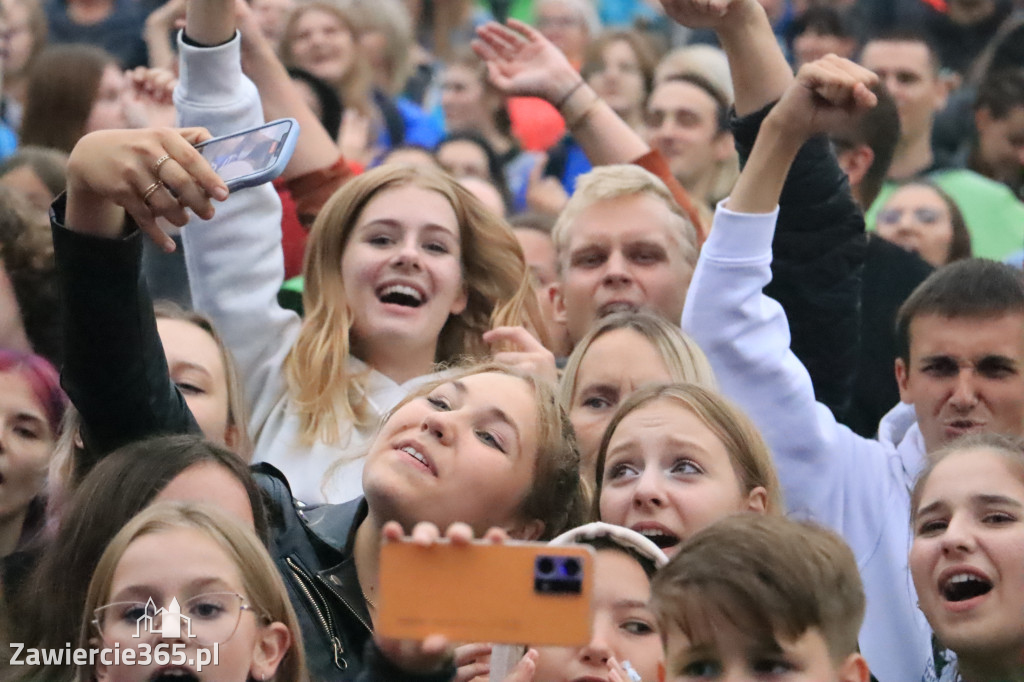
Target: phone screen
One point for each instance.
(237, 156)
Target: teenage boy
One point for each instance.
(961, 369)
(756, 596)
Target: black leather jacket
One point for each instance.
(116, 375)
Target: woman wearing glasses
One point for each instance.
(923, 219)
(235, 616)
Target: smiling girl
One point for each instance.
(404, 269)
(967, 557)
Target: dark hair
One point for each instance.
(909, 34)
(26, 250)
(62, 88)
(971, 288)
(721, 101)
(49, 165)
(1007, 445)
(465, 57)
(822, 21)
(530, 220)
(331, 106)
(604, 543)
(1001, 92)
(120, 486)
(646, 56)
(960, 245)
(879, 129)
(495, 169)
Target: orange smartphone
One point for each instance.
(516, 593)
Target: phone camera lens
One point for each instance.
(571, 567)
(545, 566)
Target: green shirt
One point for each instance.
(994, 216)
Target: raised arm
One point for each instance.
(760, 73)
(522, 62)
(855, 486)
(114, 368)
(235, 263)
(316, 149)
(826, 94)
(819, 244)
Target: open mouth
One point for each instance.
(963, 586)
(664, 539)
(400, 294)
(413, 452)
(617, 307)
(174, 675)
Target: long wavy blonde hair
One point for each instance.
(494, 274)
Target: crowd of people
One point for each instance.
(729, 290)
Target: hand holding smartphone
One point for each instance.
(254, 156)
(513, 593)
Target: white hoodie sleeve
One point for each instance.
(235, 262)
(829, 474)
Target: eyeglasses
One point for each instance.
(891, 216)
(209, 619)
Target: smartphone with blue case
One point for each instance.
(254, 156)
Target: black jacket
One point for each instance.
(116, 375)
(818, 253)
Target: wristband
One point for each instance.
(565, 98)
(585, 113)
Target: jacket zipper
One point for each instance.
(323, 613)
(345, 602)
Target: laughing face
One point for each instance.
(667, 475)
(323, 45)
(965, 375)
(402, 271)
(967, 558)
(466, 452)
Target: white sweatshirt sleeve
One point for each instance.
(829, 474)
(235, 262)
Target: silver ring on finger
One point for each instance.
(159, 162)
(149, 190)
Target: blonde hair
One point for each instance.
(261, 582)
(557, 496)
(390, 18)
(612, 182)
(749, 454)
(685, 360)
(238, 411)
(356, 86)
(494, 273)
